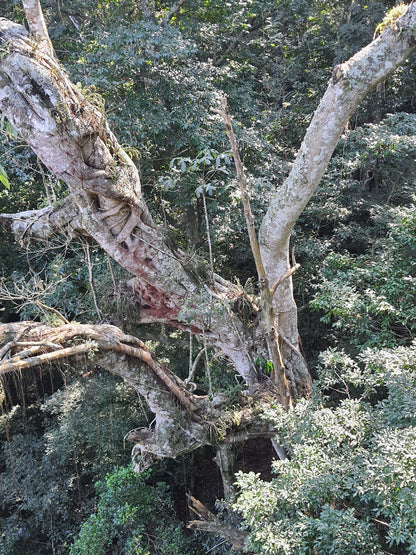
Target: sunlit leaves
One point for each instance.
(350, 483)
(4, 180)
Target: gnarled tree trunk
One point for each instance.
(72, 137)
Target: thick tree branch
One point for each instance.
(183, 421)
(99, 337)
(350, 82)
(177, 412)
(17, 363)
(36, 22)
(47, 223)
(208, 522)
(71, 135)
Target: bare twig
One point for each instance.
(192, 370)
(242, 183)
(91, 280)
(211, 258)
(23, 295)
(40, 304)
(283, 277)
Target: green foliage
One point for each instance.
(355, 240)
(266, 366)
(349, 485)
(4, 180)
(391, 17)
(352, 447)
(130, 518)
(46, 473)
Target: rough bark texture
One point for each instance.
(72, 137)
(183, 421)
(67, 129)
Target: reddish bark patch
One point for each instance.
(154, 304)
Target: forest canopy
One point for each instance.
(208, 252)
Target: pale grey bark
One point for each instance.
(46, 223)
(72, 138)
(350, 82)
(37, 24)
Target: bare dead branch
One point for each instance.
(243, 186)
(25, 294)
(210, 523)
(282, 279)
(268, 313)
(86, 248)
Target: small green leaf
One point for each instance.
(4, 179)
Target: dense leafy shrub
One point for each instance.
(350, 481)
(131, 517)
(48, 472)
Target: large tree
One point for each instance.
(72, 137)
